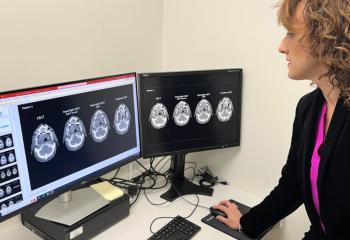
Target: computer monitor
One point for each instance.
(183, 112)
(53, 138)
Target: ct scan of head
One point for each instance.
(74, 134)
(203, 111)
(182, 113)
(159, 116)
(225, 109)
(99, 126)
(44, 143)
(122, 119)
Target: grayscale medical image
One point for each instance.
(11, 157)
(159, 116)
(99, 126)
(3, 160)
(203, 111)
(224, 110)
(182, 113)
(122, 119)
(74, 134)
(44, 143)
(8, 142)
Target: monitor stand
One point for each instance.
(72, 206)
(179, 184)
(86, 228)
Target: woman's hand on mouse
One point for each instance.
(233, 214)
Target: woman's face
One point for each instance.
(301, 64)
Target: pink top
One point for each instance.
(315, 161)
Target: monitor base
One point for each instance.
(182, 186)
(87, 228)
(74, 208)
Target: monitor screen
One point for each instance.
(55, 137)
(189, 111)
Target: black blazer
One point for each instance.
(294, 187)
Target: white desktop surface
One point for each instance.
(136, 225)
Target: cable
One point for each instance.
(150, 226)
(116, 173)
(155, 204)
(196, 205)
(147, 180)
(141, 165)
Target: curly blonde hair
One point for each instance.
(328, 33)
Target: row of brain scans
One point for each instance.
(45, 142)
(159, 115)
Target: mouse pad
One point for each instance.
(213, 222)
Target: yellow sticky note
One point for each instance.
(107, 190)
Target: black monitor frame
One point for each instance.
(83, 181)
(179, 184)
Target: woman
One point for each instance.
(316, 174)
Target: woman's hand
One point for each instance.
(233, 214)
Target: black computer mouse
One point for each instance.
(216, 212)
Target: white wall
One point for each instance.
(206, 34)
(49, 41)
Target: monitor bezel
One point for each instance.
(174, 73)
(87, 178)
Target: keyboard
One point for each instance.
(178, 228)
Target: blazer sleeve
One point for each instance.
(285, 198)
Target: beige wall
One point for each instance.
(48, 41)
(207, 34)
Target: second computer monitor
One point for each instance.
(183, 112)
(189, 111)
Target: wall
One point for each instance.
(206, 34)
(49, 41)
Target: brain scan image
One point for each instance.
(11, 157)
(3, 160)
(203, 111)
(182, 113)
(3, 206)
(159, 116)
(8, 173)
(99, 126)
(2, 193)
(74, 134)
(8, 190)
(2, 144)
(8, 142)
(122, 119)
(11, 203)
(225, 109)
(14, 171)
(3, 175)
(44, 143)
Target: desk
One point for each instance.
(136, 225)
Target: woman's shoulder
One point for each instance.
(306, 101)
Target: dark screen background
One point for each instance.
(67, 162)
(163, 87)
